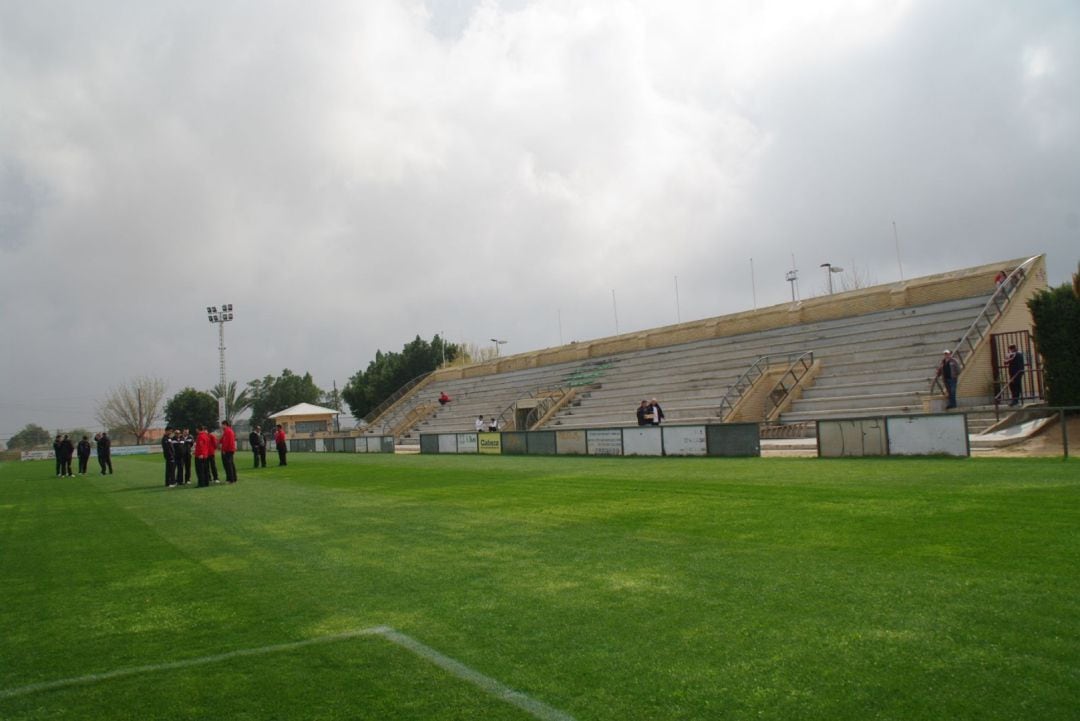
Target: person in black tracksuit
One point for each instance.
(83, 451)
(67, 450)
(168, 450)
(258, 447)
(104, 452)
(183, 468)
(59, 456)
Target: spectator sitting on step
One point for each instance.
(479, 424)
(643, 417)
(493, 425)
(443, 398)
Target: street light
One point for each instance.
(830, 270)
(497, 343)
(221, 318)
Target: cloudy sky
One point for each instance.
(351, 174)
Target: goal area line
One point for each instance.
(455, 668)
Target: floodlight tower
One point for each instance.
(221, 318)
(497, 343)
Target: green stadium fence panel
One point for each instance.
(943, 434)
(348, 445)
(604, 441)
(542, 443)
(733, 439)
(466, 443)
(643, 441)
(386, 446)
(685, 441)
(852, 437)
(515, 443)
(489, 443)
(302, 445)
(570, 443)
(448, 443)
(429, 443)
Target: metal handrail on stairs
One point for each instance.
(789, 381)
(394, 398)
(750, 376)
(980, 327)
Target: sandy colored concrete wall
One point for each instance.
(952, 285)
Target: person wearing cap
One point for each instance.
(949, 370)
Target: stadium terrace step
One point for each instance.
(872, 364)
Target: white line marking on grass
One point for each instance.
(171, 665)
(537, 709)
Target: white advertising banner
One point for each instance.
(604, 442)
(643, 441)
(447, 443)
(466, 443)
(928, 435)
(684, 441)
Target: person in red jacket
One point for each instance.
(202, 454)
(279, 441)
(228, 451)
(211, 461)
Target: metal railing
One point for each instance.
(980, 327)
(788, 382)
(507, 420)
(372, 416)
(750, 376)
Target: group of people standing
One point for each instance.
(64, 450)
(649, 413)
(178, 447)
(258, 446)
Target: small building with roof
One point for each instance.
(307, 420)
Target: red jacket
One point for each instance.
(202, 444)
(213, 443)
(279, 438)
(228, 440)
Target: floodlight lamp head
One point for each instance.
(835, 269)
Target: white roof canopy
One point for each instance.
(305, 409)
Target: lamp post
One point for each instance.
(497, 343)
(792, 276)
(830, 269)
(221, 318)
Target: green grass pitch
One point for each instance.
(598, 588)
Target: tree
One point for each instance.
(272, 394)
(389, 371)
(190, 409)
(29, 437)
(1056, 317)
(131, 409)
(235, 404)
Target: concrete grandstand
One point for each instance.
(866, 352)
